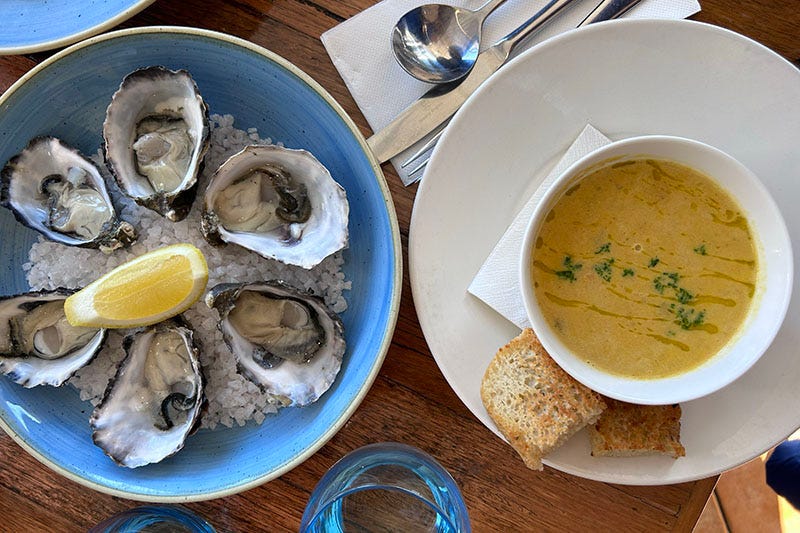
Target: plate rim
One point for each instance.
(71, 38)
(396, 278)
(414, 266)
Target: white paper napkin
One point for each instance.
(361, 51)
(497, 282)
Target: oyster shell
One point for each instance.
(155, 399)
(156, 135)
(37, 344)
(284, 340)
(55, 190)
(280, 203)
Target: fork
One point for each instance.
(425, 150)
(607, 9)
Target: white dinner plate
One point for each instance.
(627, 77)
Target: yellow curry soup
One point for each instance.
(645, 268)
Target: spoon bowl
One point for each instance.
(438, 43)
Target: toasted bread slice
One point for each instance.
(535, 404)
(626, 430)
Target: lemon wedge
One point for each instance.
(145, 290)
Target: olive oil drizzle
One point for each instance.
(751, 287)
(666, 340)
(591, 307)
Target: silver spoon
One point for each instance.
(437, 43)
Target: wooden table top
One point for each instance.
(410, 401)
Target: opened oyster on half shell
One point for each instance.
(284, 340)
(52, 188)
(280, 203)
(156, 398)
(38, 346)
(156, 135)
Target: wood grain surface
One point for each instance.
(410, 401)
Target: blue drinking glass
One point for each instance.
(154, 519)
(386, 487)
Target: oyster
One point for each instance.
(53, 189)
(155, 399)
(280, 203)
(284, 340)
(156, 135)
(37, 344)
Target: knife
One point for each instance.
(436, 106)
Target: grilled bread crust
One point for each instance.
(534, 403)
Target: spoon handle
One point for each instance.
(511, 40)
(607, 10)
(486, 9)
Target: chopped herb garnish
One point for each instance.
(568, 275)
(604, 269)
(627, 272)
(701, 249)
(683, 295)
(654, 261)
(667, 280)
(603, 249)
(571, 267)
(686, 317)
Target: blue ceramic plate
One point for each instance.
(66, 96)
(36, 25)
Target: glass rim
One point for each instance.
(336, 484)
(440, 513)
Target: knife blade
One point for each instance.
(436, 106)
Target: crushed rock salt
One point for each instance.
(233, 400)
